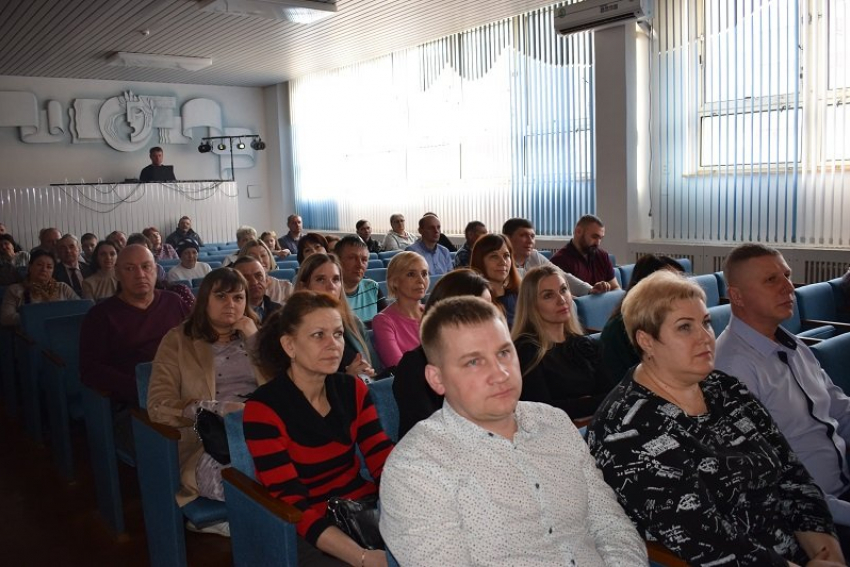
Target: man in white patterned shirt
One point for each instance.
(488, 480)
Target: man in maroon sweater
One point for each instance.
(127, 328)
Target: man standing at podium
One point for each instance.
(156, 171)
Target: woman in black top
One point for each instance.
(560, 366)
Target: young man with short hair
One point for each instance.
(364, 295)
(473, 231)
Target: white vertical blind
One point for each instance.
(488, 124)
(750, 138)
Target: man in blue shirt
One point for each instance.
(781, 371)
(428, 246)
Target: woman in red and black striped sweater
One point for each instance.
(303, 427)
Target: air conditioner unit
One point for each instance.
(598, 14)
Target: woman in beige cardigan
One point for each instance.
(204, 364)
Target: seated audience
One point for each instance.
(321, 273)
(364, 231)
(88, 241)
(189, 267)
(302, 427)
(270, 239)
(490, 480)
(277, 289)
(364, 296)
(204, 364)
(161, 250)
(472, 232)
(583, 257)
(396, 328)
(69, 269)
(491, 257)
(428, 246)
(560, 366)
(694, 458)
(11, 263)
(182, 232)
(444, 240)
(332, 241)
(38, 287)
(244, 234)
(290, 239)
(311, 243)
(118, 238)
(256, 276)
(520, 233)
(47, 239)
(784, 375)
(397, 238)
(415, 398)
(124, 330)
(102, 283)
(620, 355)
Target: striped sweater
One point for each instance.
(304, 458)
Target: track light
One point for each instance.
(222, 146)
(258, 144)
(205, 147)
(240, 145)
(234, 142)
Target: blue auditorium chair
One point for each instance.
(720, 316)
(626, 272)
(376, 263)
(283, 273)
(686, 265)
(708, 283)
(168, 262)
(158, 469)
(377, 274)
(196, 282)
(387, 256)
(834, 357)
(594, 310)
(287, 264)
(794, 325)
(386, 406)
(7, 367)
(817, 306)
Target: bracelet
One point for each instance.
(363, 559)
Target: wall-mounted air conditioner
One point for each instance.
(597, 14)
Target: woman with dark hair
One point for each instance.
(491, 257)
(303, 427)
(560, 366)
(204, 364)
(11, 260)
(160, 250)
(311, 243)
(38, 287)
(415, 398)
(620, 355)
(322, 273)
(102, 283)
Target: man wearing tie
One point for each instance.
(69, 269)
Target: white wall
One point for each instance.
(30, 165)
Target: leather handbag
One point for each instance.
(358, 519)
(210, 429)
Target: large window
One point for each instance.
(750, 130)
(487, 124)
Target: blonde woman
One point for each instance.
(560, 366)
(397, 327)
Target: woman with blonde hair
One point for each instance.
(492, 258)
(278, 290)
(270, 238)
(560, 366)
(322, 273)
(397, 327)
(694, 459)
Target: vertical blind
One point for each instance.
(487, 124)
(749, 127)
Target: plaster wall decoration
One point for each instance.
(127, 123)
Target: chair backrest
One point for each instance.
(842, 299)
(626, 275)
(287, 264)
(834, 357)
(143, 381)
(377, 274)
(686, 265)
(817, 301)
(720, 315)
(384, 400)
(794, 325)
(721, 284)
(33, 315)
(387, 255)
(240, 458)
(708, 283)
(196, 282)
(283, 273)
(593, 310)
(376, 263)
(63, 339)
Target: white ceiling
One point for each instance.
(73, 38)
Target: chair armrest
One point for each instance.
(165, 431)
(258, 493)
(591, 331)
(22, 336)
(53, 358)
(663, 556)
(809, 341)
(839, 326)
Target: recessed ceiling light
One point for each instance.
(155, 60)
(295, 11)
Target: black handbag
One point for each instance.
(210, 429)
(358, 519)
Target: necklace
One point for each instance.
(666, 392)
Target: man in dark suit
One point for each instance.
(69, 269)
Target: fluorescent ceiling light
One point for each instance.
(295, 11)
(127, 59)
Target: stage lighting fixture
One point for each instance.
(205, 147)
(258, 144)
(222, 146)
(240, 145)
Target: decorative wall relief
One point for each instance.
(127, 123)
